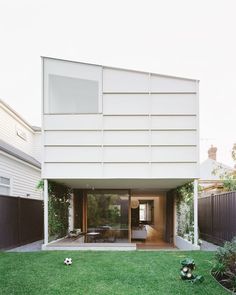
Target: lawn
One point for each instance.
(103, 273)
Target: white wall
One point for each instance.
(147, 127)
(18, 134)
(24, 177)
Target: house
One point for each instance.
(20, 155)
(212, 173)
(123, 141)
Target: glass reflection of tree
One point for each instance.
(103, 209)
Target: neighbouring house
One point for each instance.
(20, 155)
(21, 210)
(122, 141)
(212, 173)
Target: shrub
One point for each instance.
(224, 269)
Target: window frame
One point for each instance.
(7, 185)
(71, 70)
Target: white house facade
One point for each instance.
(20, 155)
(107, 129)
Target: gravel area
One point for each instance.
(206, 246)
(32, 247)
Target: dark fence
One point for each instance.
(217, 217)
(21, 221)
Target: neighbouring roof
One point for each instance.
(34, 128)
(9, 149)
(213, 170)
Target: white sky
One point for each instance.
(195, 39)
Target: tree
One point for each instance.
(229, 178)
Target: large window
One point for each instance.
(4, 186)
(107, 216)
(69, 95)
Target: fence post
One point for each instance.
(212, 217)
(19, 220)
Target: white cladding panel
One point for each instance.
(169, 84)
(173, 104)
(173, 122)
(73, 154)
(126, 154)
(126, 122)
(118, 104)
(72, 70)
(147, 128)
(173, 170)
(174, 138)
(123, 170)
(72, 122)
(174, 154)
(126, 138)
(115, 80)
(72, 170)
(68, 138)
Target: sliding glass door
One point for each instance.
(108, 215)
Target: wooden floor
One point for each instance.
(154, 240)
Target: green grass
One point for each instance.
(103, 273)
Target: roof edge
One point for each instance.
(33, 128)
(11, 150)
(123, 69)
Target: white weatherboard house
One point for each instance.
(123, 140)
(20, 155)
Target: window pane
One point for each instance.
(142, 212)
(72, 95)
(4, 180)
(4, 190)
(108, 216)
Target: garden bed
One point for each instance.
(224, 269)
(226, 287)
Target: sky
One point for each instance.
(194, 39)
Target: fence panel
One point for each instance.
(21, 221)
(217, 217)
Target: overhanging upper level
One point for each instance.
(102, 122)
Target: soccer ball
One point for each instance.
(68, 261)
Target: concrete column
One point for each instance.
(45, 200)
(195, 200)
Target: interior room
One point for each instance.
(148, 218)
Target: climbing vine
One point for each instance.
(58, 203)
(184, 204)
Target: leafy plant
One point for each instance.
(185, 209)
(229, 182)
(224, 269)
(228, 177)
(218, 269)
(230, 280)
(227, 255)
(58, 203)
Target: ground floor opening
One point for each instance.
(118, 217)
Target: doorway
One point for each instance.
(148, 219)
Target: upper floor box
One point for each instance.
(102, 122)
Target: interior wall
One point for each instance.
(159, 208)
